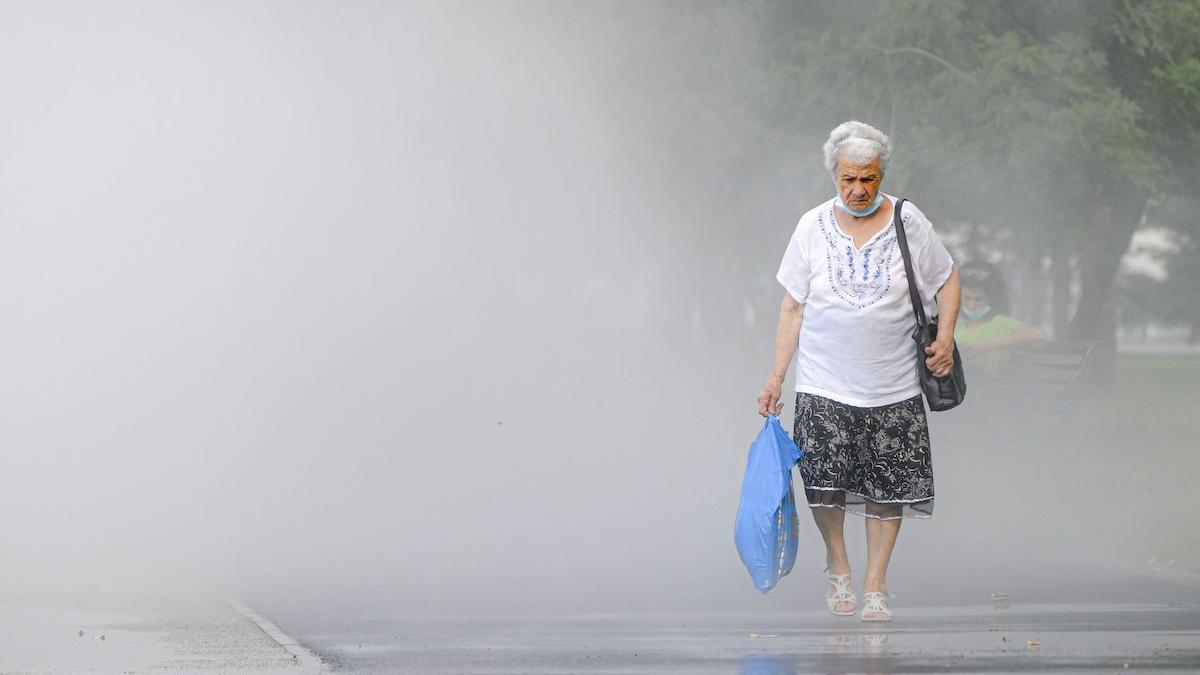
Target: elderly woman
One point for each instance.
(848, 319)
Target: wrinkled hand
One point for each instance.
(941, 357)
(768, 398)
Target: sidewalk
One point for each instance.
(195, 633)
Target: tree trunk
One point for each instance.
(1104, 367)
(1113, 229)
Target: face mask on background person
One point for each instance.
(976, 313)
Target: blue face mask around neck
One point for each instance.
(978, 313)
(863, 213)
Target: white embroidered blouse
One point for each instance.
(855, 342)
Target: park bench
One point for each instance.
(1046, 380)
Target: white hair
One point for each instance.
(859, 142)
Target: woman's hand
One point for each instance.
(941, 356)
(768, 398)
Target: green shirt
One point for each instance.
(999, 326)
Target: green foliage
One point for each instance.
(1022, 121)
(1028, 125)
(1154, 53)
(1036, 90)
(973, 96)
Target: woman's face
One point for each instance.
(974, 299)
(858, 183)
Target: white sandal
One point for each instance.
(876, 603)
(841, 593)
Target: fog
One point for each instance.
(416, 307)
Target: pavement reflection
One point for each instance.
(845, 650)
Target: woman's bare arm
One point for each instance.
(791, 315)
(941, 353)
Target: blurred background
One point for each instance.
(464, 307)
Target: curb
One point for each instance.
(305, 658)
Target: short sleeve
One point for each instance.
(1005, 325)
(931, 258)
(795, 271)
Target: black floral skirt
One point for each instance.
(873, 462)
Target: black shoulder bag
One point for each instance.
(941, 393)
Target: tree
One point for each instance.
(1037, 129)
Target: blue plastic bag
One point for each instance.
(766, 527)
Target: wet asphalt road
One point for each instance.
(981, 639)
(1162, 635)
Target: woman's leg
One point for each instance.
(881, 540)
(831, 522)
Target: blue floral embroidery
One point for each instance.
(863, 289)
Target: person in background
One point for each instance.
(986, 332)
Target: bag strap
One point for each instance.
(902, 239)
